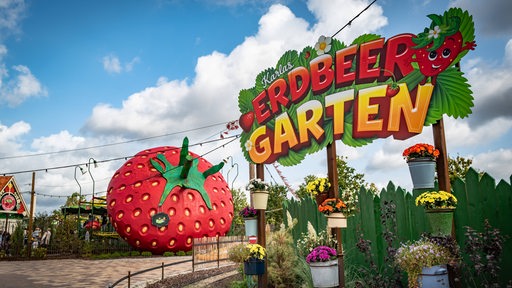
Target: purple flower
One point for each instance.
(321, 254)
(248, 212)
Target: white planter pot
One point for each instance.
(259, 199)
(336, 220)
(325, 274)
(251, 227)
(435, 276)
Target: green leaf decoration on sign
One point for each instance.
(365, 38)
(466, 28)
(451, 96)
(245, 100)
(292, 158)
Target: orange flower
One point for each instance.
(332, 205)
(421, 150)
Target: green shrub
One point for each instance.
(39, 253)
(168, 254)
(135, 253)
(116, 254)
(87, 250)
(284, 268)
(190, 253)
(238, 253)
(146, 254)
(180, 253)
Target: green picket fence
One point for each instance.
(479, 198)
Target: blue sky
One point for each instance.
(77, 74)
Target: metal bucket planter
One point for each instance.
(324, 274)
(434, 277)
(251, 227)
(441, 221)
(422, 172)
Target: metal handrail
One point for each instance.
(144, 271)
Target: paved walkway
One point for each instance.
(80, 273)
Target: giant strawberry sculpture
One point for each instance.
(163, 197)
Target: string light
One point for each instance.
(118, 158)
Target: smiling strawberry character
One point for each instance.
(438, 46)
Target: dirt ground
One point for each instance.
(183, 280)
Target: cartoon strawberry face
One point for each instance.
(439, 46)
(163, 197)
(433, 62)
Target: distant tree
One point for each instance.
(239, 202)
(73, 199)
(274, 212)
(458, 167)
(348, 179)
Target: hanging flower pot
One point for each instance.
(318, 189)
(259, 193)
(441, 221)
(421, 159)
(332, 209)
(422, 172)
(439, 206)
(336, 220)
(251, 227)
(254, 266)
(259, 199)
(249, 214)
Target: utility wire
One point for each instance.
(117, 158)
(350, 22)
(111, 144)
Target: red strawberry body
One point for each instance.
(246, 121)
(136, 193)
(436, 61)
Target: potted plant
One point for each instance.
(254, 264)
(318, 189)
(259, 193)
(251, 222)
(323, 264)
(425, 263)
(439, 206)
(421, 159)
(333, 209)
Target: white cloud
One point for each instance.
(11, 13)
(495, 163)
(113, 65)
(18, 89)
(57, 142)
(10, 137)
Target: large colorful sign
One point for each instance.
(372, 88)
